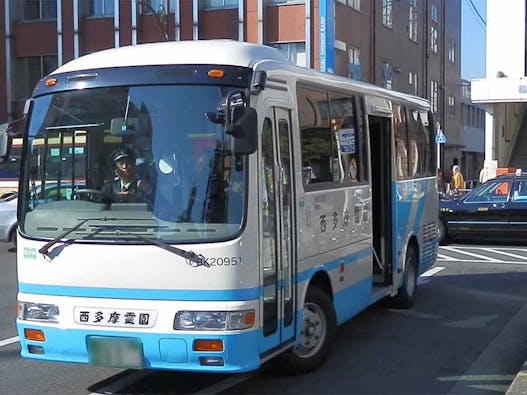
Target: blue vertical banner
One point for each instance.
(327, 35)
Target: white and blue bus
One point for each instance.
(281, 202)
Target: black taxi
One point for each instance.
(493, 211)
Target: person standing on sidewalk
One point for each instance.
(457, 183)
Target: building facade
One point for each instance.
(503, 91)
(472, 135)
(411, 46)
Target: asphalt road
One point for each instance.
(466, 334)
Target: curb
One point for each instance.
(519, 384)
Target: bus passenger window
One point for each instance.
(348, 138)
(427, 143)
(319, 153)
(401, 151)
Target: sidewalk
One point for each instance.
(509, 344)
(519, 385)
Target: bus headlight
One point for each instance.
(214, 320)
(37, 312)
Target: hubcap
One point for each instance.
(313, 332)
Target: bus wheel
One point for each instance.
(317, 335)
(405, 295)
(12, 237)
(442, 234)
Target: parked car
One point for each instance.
(495, 210)
(8, 221)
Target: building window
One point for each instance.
(434, 100)
(28, 71)
(354, 4)
(452, 51)
(452, 106)
(386, 75)
(412, 81)
(38, 9)
(434, 38)
(99, 8)
(434, 12)
(354, 69)
(412, 21)
(387, 13)
(295, 52)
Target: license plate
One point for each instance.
(115, 352)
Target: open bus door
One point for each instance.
(277, 252)
(381, 185)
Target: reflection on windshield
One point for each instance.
(148, 154)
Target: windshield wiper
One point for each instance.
(45, 248)
(192, 258)
(83, 125)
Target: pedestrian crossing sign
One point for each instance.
(440, 137)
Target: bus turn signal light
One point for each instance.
(50, 82)
(250, 318)
(208, 345)
(34, 335)
(216, 73)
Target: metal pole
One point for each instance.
(438, 145)
(438, 152)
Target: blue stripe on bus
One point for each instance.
(160, 351)
(352, 300)
(143, 294)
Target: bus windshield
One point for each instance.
(134, 163)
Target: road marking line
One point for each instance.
(485, 258)
(425, 277)
(486, 261)
(8, 341)
(482, 248)
(432, 271)
(442, 257)
(506, 253)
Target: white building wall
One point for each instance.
(505, 38)
(504, 90)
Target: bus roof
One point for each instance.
(227, 52)
(222, 52)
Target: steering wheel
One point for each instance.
(93, 195)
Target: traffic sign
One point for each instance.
(440, 137)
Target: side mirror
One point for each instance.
(244, 131)
(8, 130)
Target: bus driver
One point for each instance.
(125, 187)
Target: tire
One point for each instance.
(318, 333)
(406, 293)
(442, 234)
(12, 236)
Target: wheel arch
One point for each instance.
(414, 243)
(321, 281)
(12, 231)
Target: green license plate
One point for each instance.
(115, 352)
